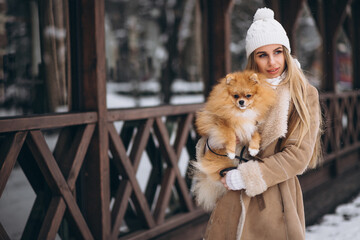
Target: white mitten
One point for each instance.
(234, 180)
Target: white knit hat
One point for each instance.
(265, 30)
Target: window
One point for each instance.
(309, 50)
(34, 65)
(153, 53)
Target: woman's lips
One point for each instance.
(273, 71)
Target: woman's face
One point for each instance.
(270, 60)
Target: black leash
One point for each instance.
(240, 158)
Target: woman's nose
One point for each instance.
(271, 60)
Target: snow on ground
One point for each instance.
(179, 88)
(344, 224)
(15, 204)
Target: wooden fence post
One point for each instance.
(216, 40)
(95, 188)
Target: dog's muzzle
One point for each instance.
(242, 104)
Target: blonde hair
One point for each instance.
(298, 92)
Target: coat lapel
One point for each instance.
(275, 125)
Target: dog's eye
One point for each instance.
(236, 96)
(248, 96)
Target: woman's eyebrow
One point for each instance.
(276, 49)
(261, 52)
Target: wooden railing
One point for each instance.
(51, 174)
(164, 137)
(341, 138)
(149, 143)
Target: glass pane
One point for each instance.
(34, 66)
(309, 47)
(343, 61)
(153, 52)
(241, 19)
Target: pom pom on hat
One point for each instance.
(265, 30)
(263, 13)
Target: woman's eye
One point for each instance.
(236, 96)
(262, 55)
(248, 96)
(278, 52)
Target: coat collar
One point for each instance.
(276, 124)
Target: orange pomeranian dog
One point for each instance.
(233, 109)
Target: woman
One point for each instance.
(264, 200)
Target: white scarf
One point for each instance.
(276, 81)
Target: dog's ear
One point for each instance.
(229, 78)
(254, 77)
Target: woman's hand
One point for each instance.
(223, 181)
(233, 180)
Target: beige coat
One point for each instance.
(271, 206)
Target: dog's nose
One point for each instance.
(241, 102)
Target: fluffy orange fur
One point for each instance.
(234, 107)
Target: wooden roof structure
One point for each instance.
(89, 181)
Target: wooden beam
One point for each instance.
(275, 6)
(217, 40)
(356, 44)
(48, 121)
(96, 184)
(151, 112)
(290, 13)
(316, 11)
(8, 155)
(334, 15)
(338, 15)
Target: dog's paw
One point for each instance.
(253, 151)
(231, 155)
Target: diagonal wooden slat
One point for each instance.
(124, 190)
(169, 154)
(70, 167)
(352, 116)
(55, 179)
(171, 158)
(162, 203)
(350, 126)
(182, 133)
(3, 234)
(342, 115)
(120, 205)
(53, 218)
(127, 132)
(169, 177)
(32, 227)
(348, 113)
(357, 127)
(8, 155)
(126, 169)
(82, 140)
(140, 141)
(156, 172)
